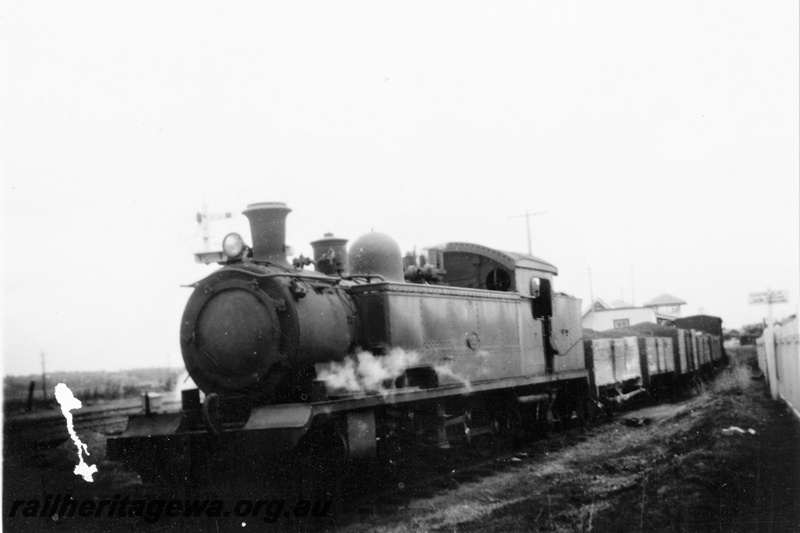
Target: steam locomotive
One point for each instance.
(373, 356)
(364, 358)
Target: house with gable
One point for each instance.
(603, 315)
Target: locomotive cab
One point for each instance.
(552, 323)
(480, 267)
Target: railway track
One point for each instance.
(455, 468)
(50, 429)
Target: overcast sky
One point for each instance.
(660, 138)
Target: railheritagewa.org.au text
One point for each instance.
(59, 507)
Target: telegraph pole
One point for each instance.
(528, 216)
(591, 298)
(770, 297)
(44, 380)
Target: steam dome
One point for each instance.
(376, 253)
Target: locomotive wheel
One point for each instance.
(488, 444)
(510, 426)
(171, 476)
(396, 454)
(545, 421)
(320, 468)
(589, 412)
(481, 432)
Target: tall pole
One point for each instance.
(528, 216)
(528, 229)
(44, 380)
(591, 297)
(769, 350)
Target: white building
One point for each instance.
(618, 314)
(666, 304)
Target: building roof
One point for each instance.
(664, 299)
(601, 303)
(619, 304)
(615, 304)
(605, 306)
(595, 303)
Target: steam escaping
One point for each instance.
(444, 371)
(367, 373)
(184, 382)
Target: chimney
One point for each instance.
(268, 230)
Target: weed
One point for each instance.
(587, 517)
(732, 379)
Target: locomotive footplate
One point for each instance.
(170, 444)
(179, 445)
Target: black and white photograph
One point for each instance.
(400, 266)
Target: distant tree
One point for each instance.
(751, 332)
(728, 334)
(169, 383)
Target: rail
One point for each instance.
(50, 428)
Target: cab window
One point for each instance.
(542, 297)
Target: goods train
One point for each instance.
(372, 356)
(652, 358)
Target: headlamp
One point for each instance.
(232, 245)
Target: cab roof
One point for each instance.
(511, 260)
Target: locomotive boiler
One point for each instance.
(363, 359)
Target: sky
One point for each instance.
(660, 140)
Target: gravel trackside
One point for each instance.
(671, 467)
